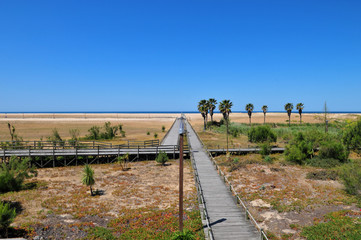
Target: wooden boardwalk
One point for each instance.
(226, 219)
(172, 136)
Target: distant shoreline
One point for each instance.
(173, 112)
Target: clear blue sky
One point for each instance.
(67, 55)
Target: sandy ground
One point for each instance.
(36, 126)
(136, 126)
(197, 121)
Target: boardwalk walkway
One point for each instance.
(172, 135)
(226, 218)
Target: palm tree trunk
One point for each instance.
(300, 118)
(204, 124)
(289, 120)
(264, 118)
(250, 123)
(227, 135)
(212, 117)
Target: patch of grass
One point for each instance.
(343, 225)
(322, 175)
(100, 233)
(155, 224)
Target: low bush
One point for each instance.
(323, 162)
(351, 176)
(162, 158)
(333, 149)
(352, 135)
(7, 215)
(268, 159)
(322, 175)
(265, 149)
(299, 149)
(336, 225)
(13, 174)
(261, 134)
(185, 235)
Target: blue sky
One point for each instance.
(67, 55)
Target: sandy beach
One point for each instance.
(33, 126)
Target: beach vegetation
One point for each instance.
(264, 110)
(212, 105)
(225, 108)
(249, 109)
(7, 216)
(162, 158)
(88, 178)
(261, 133)
(352, 135)
(203, 108)
(300, 107)
(13, 174)
(289, 108)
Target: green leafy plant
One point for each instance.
(261, 134)
(352, 135)
(148, 133)
(249, 109)
(88, 177)
(265, 149)
(185, 235)
(333, 149)
(122, 160)
(155, 135)
(7, 215)
(94, 133)
(55, 138)
(163, 128)
(351, 176)
(13, 174)
(335, 225)
(74, 134)
(322, 175)
(162, 158)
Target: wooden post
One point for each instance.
(181, 183)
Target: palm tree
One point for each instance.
(212, 105)
(264, 109)
(225, 108)
(203, 109)
(289, 108)
(249, 109)
(88, 177)
(300, 107)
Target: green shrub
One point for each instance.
(268, 159)
(55, 138)
(163, 128)
(155, 135)
(185, 235)
(333, 149)
(299, 150)
(323, 162)
(351, 176)
(261, 134)
(148, 133)
(7, 216)
(13, 174)
(336, 226)
(265, 149)
(352, 135)
(94, 133)
(162, 158)
(100, 233)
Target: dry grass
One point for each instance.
(280, 195)
(136, 126)
(61, 199)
